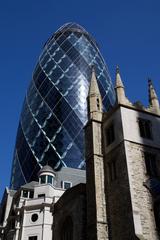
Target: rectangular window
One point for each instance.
(110, 136)
(150, 161)
(112, 170)
(50, 179)
(33, 238)
(25, 193)
(43, 179)
(145, 128)
(41, 195)
(66, 185)
(31, 194)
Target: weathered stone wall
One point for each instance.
(141, 198)
(96, 205)
(118, 199)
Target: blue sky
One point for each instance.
(127, 32)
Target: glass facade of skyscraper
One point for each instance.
(55, 108)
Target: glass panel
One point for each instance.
(66, 185)
(50, 179)
(31, 194)
(25, 193)
(43, 179)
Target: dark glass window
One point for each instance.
(33, 238)
(25, 193)
(145, 128)
(31, 194)
(112, 170)
(66, 185)
(43, 113)
(41, 195)
(43, 179)
(40, 79)
(66, 46)
(56, 74)
(45, 87)
(110, 136)
(51, 126)
(40, 145)
(53, 97)
(34, 217)
(50, 179)
(98, 106)
(62, 110)
(150, 161)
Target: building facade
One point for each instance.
(121, 197)
(30, 212)
(55, 111)
(122, 162)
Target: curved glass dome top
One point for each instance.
(72, 26)
(55, 108)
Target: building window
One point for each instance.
(33, 238)
(50, 179)
(66, 185)
(98, 105)
(110, 136)
(31, 194)
(112, 170)
(43, 179)
(150, 161)
(34, 217)
(145, 128)
(25, 194)
(41, 195)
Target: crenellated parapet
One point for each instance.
(121, 99)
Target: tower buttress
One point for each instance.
(119, 88)
(97, 228)
(153, 99)
(94, 99)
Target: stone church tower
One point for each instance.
(123, 167)
(96, 205)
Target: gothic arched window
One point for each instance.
(67, 229)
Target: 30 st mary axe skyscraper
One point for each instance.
(55, 110)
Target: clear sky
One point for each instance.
(127, 32)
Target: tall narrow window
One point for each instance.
(31, 194)
(150, 161)
(67, 229)
(110, 136)
(112, 170)
(43, 179)
(145, 128)
(25, 193)
(98, 106)
(50, 179)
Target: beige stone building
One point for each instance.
(121, 197)
(123, 167)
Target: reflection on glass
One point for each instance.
(55, 108)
